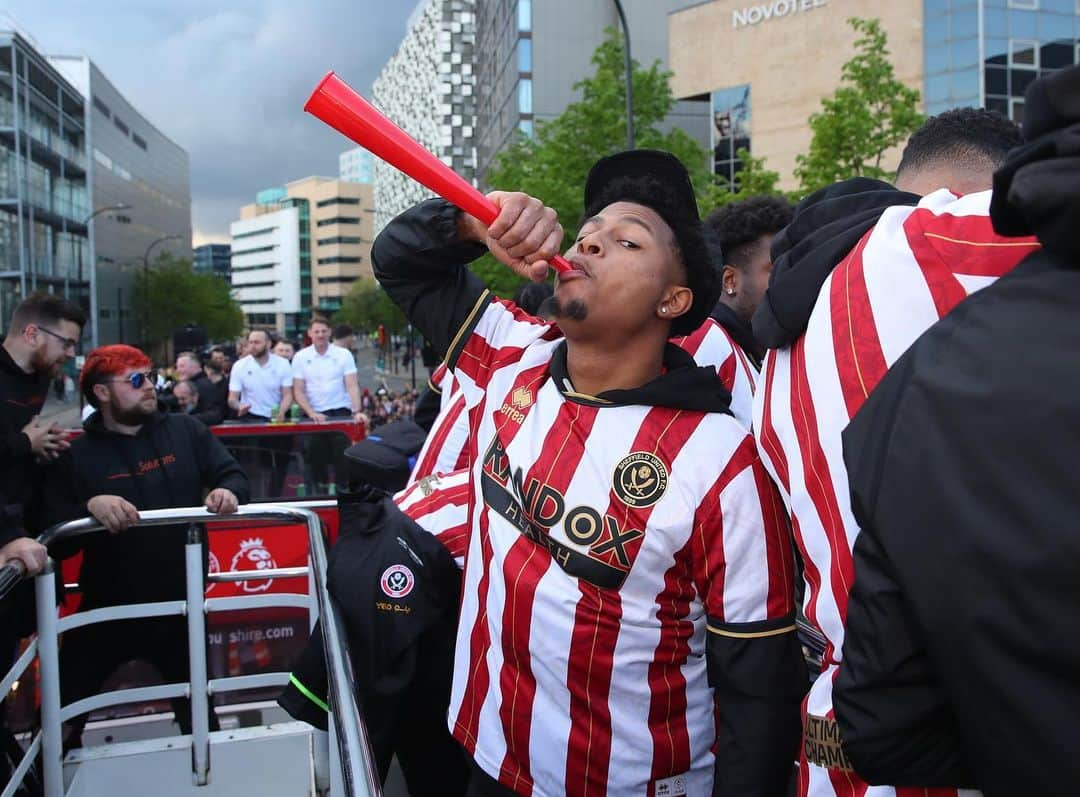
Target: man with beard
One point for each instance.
(863, 270)
(213, 398)
(626, 554)
(260, 390)
(44, 332)
(132, 458)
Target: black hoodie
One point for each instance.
(22, 396)
(173, 461)
(826, 226)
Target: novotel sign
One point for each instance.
(777, 9)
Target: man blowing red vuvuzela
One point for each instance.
(627, 554)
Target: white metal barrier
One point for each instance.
(342, 768)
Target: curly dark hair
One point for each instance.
(740, 225)
(688, 236)
(968, 137)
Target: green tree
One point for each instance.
(367, 305)
(552, 165)
(171, 294)
(869, 114)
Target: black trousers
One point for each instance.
(324, 450)
(411, 723)
(89, 655)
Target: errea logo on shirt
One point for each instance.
(521, 399)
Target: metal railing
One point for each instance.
(350, 764)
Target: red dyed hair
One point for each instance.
(108, 361)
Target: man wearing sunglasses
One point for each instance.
(43, 333)
(133, 458)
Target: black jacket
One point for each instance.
(173, 461)
(961, 654)
(418, 259)
(826, 226)
(394, 639)
(213, 403)
(22, 396)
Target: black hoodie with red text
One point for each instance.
(173, 461)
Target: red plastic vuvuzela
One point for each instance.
(335, 103)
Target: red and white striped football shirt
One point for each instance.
(446, 448)
(439, 504)
(601, 537)
(711, 345)
(914, 266)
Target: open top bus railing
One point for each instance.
(344, 768)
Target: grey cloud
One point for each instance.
(227, 80)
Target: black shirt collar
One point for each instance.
(683, 385)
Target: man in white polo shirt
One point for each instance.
(261, 390)
(261, 383)
(324, 378)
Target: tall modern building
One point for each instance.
(530, 53)
(134, 164)
(266, 269)
(780, 58)
(213, 259)
(280, 285)
(43, 180)
(427, 87)
(356, 166)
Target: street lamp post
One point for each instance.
(146, 284)
(629, 77)
(93, 271)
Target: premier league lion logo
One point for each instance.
(253, 555)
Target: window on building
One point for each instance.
(253, 233)
(1016, 109)
(237, 252)
(264, 284)
(1023, 54)
(258, 267)
(103, 108)
(730, 131)
(337, 280)
(338, 220)
(526, 127)
(102, 158)
(123, 128)
(524, 15)
(1027, 5)
(338, 200)
(525, 55)
(140, 142)
(325, 261)
(341, 239)
(525, 96)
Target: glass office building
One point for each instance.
(43, 181)
(133, 164)
(987, 52)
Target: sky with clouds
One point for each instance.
(226, 79)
